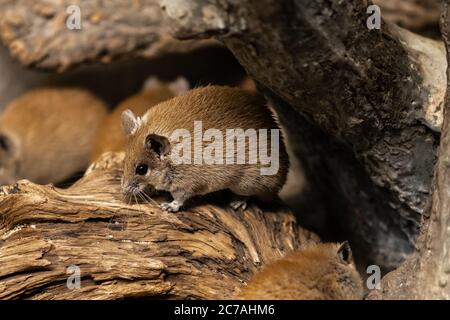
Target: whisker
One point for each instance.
(146, 196)
(128, 211)
(135, 195)
(140, 197)
(137, 201)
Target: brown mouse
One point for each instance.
(154, 144)
(109, 136)
(318, 272)
(46, 134)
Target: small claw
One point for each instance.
(236, 204)
(173, 206)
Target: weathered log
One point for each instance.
(426, 274)
(138, 30)
(131, 250)
(377, 94)
(420, 16)
(37, 34)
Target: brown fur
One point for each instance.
(317, 272)
(49, 134)
(248, 84)
(110, 136)
(217, 107)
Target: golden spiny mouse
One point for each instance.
(149, 159)
(46, 134)
(318, 272)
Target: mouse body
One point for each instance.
(204, 116)
(46, 134)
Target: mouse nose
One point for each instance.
(129, 188)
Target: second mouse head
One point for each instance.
(147, 164)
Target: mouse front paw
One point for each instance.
(173, 206)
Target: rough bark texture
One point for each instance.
(109, 30)
(426, 274)
(113, 29)
(126, 251)
(367, 90)
(420, 16)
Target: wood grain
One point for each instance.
(131, 250)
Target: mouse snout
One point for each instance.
(130, 188)
(135, 188)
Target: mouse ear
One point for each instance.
(130, 123)
(159, 144)
(345, 253)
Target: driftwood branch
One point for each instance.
(114, 29)
(426, 274)
(36, 34)
(124, 251)
(417, 15)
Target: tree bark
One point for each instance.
(421, 16)
(124, 250)
(36, 34)
(425, 275)
(377, 94)
(109, 33)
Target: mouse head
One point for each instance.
(146, 164)
(347, 281)
(8, 160)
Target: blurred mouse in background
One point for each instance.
(324, 271)
(46, 134)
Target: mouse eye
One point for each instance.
(142, 169)
(4, 143)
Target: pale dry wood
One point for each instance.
(36, 33)
(123, 250)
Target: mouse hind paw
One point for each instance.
(239, 202)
